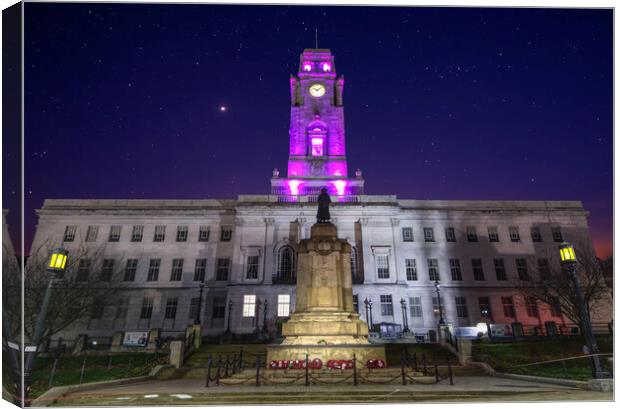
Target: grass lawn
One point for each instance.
(505, 357)
(68, 369)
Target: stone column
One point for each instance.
(117, 341)
(268, 258)
(151, 343)
(176, 353)
(396, 245)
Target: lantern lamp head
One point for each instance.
(567, 253)
(58, 260)
(437, 285)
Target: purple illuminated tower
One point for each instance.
(317, 157)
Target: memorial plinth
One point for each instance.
(324, 324)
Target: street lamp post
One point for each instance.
(56, 269)
(403, 306)
(197, 320)
(441, 320)
(230, 304)
(370, 309)
(367, 319)
(265, 316)
(569, 262)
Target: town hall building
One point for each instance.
(231, 263)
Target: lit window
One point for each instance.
(307, 67)
(327, 67)
(249, 305)
(284, 305)
(383, 269)
(317, 146)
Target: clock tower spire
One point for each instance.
(317, 157)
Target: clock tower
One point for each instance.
(317, 157)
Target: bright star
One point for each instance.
(222, 108)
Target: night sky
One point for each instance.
(124, 101)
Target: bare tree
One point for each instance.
(551, 284)
(90, 283)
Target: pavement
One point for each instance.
(193, 392)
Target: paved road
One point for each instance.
(192, 392)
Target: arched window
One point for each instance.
(286, 267)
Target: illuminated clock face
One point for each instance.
(317, 90)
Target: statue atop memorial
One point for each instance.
(324, 200)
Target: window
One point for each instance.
(130, 269)
(91, 233)
(461, 307)
(514, 233)
(115, 233)
(412, 270)
(383, 267)
(107, 269)
(433, 269)
(177, 269)
(493, 235)
(285, 271)
(181, 233)
(429, 234)
(147, 308)
(356, 303)
(556, 310)
(136, 233)
(153, 273)
(471, 234)
(354, 270)
(450, 235)
(508, 307)
(203, 233)
(160, 233)
(476, 266)
(252, 268)
(407, 233)
(536, 236)
(193, 308)
(556, 232)
(317, 146)
(96, 312)
(500, 269)
(222, 269)
(415, 307)
(122, 308)
(455, 269)
(284, 305)
(543, 269)
(200, 269)
(171, 308)
(521, 264)
(485, 307)
(387, 309)
(531, 306)
(249, 305)
(219, 308)
(226, 233)
(436, 306)
(69, 233)
(83, 270)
